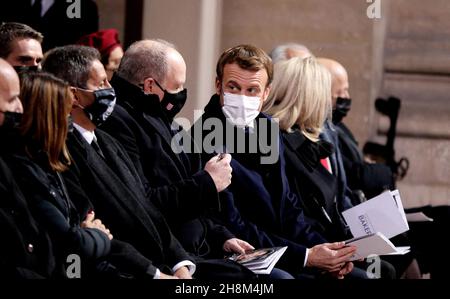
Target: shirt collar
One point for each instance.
(89, 136)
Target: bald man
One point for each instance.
(25, 251)
(10, 103)
(371, 178)
(150, 93)
(339, 83)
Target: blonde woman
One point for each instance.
(301, 100)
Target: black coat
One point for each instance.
(45, 193)
(26, 250)
(258, 206)
(176, 183)
(49, 201)
(372, 179)
(314, 184)
(119, 199)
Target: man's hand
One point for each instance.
(236, 245)
(220, 171)
(331, 257)
(91, 222)
(347, 268)
(165, 276)
(183, 273)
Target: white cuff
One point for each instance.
(306, 257)
(157, 274)
(190, 265)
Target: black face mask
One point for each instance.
(103, 106)
(70, 126)
(23, 69)
(11, 120)
(343, 106)
(172, 103)
(11, 123)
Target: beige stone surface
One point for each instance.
(418, 38)
(425, 108)
(112, 15)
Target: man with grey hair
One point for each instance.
(150, 92)
(289, 50)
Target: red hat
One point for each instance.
(105, 41)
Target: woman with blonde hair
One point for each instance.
(301, 101)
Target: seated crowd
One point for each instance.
(100, 170)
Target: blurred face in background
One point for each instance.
(25, 52)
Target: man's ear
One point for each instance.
(75, 101)
(266, 93)
(149, 83)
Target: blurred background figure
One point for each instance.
(61, 22)
(108, 44)
(20, 45)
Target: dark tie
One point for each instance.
(97, 148)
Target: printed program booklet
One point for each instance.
(376, 244)
(260, 261)
(374, 222)
(383, 213)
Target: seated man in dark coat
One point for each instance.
(259, 206)
(371, 178)
(104, 172)
(149, 85)
(26, 250)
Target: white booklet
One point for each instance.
(376, 244)
(260, 261)
(383, 213)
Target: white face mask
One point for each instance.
(240, 109)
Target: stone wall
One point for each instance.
(417, 70)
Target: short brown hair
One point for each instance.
(11, 31)
(247, 57)
(46, 106)
(71, 63)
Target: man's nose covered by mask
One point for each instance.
(172, 103)
(240, 110)
(24, 69)
(102, 107)
(343, 106)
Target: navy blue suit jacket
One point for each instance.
(258, 206)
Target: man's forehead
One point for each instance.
(233, 72)
(27, 44)
(97, 71)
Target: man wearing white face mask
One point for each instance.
(258, 205)
(241, 110)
